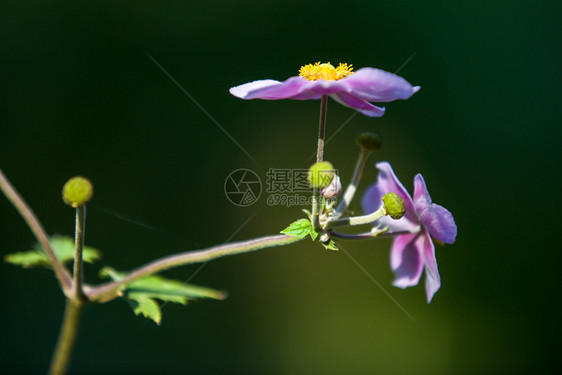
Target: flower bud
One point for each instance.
(321, 174)
(77, 191)
(334, 189)
(370, 141)
(394, 205)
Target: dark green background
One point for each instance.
(80, 96)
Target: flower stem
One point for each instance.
(319, 157)
(78, 249)
(37, 229)
(322, 128)
(67, 337)
(108, 291)
(357, 220)
(352, 187)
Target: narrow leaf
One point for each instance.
(162, 288)
(141, 293)
(63, 247)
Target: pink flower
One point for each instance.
(352, 89)
(412, 249)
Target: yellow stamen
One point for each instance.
(326, 72)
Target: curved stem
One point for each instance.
(357, 220)
(108, 291)
(37, 229)
(78, 248)
(352, 187)
(67, 337)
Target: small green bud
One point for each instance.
(77, 191)
(370, 141)
(394, 205)
(321, 174)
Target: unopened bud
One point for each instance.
(334, 189)
(370, 141)
(77, 191)
(394, 205)
(321, 174)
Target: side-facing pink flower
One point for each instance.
(412, 249)
(352, 89)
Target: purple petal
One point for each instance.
(242, 91)
(432, 278)
(269, 89)
(361, 105)
(437, 220)
(406, 259)
(293, 88)
(376, 85)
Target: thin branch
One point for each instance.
(108, 291)
(37, 229)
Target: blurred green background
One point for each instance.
(81, 96)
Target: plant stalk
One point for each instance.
(67, 338)
(78, 249)
(352, 187)
(37, 229)
(108, 291)
(319, 158)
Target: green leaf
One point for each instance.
(330, 245)
(63, 247)
(145, 306)
(153, 287)
(300, 229)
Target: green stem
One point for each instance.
(67, 337)
(319, 157)
(352, 187)
(357, 220)
(37, 229)
(108, 291)
(79, 246)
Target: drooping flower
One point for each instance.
(412, 249)
(352, 89)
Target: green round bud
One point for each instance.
(394, 205)
(77, 191)
(370, 141)
(321, 174)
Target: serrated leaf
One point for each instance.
(63, 247)
(162, 288)
(145, 306)
(157, 287)
(331, 245)
(300, 228)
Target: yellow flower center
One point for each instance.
(326, 72)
